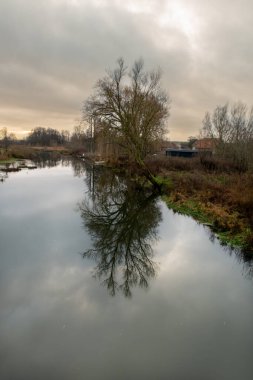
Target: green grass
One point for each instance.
(189, 208)
(164, 182)
(8, 161)
(235, 240)
(193, 209)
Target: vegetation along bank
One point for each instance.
(221, 198)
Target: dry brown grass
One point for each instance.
(221, 191)
(202, 163)
(28, 152)
(3, 155)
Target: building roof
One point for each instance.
(206, 143)
(172, 145)
(180, 150)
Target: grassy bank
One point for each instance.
(27, 152)
(7, 160)
(219, 197)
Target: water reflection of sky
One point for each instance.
(193, 322)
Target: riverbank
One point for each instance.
(220, 198)
(16, 152)
(212, 193)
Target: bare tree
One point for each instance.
(81, 138)
(6, 138)
(191, 140)
(131, 106)
(232, 128)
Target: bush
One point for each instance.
(157, 164)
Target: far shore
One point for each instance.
(19, 152)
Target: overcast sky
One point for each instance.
(53, 51)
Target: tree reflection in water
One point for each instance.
(47, 159)
(3, 176)
(122, 223)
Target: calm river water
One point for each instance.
(101, 281)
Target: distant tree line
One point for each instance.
(47, 137)
(80, 138)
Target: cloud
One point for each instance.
(53, 52)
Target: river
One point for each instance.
(101, 281)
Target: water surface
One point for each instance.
(98, 281)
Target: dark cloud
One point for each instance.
(53, 52)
